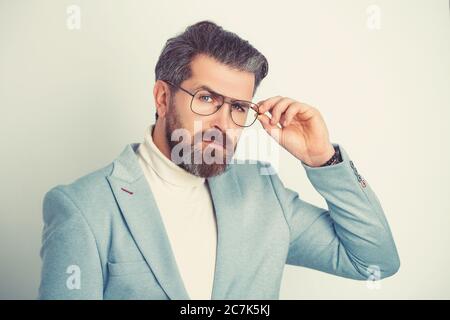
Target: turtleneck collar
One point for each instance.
(165, 168)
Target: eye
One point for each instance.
(239, 107)
(205, 98)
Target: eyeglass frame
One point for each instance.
(224, 100)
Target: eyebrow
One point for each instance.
(205, 87)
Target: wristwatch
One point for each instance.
(336, 158)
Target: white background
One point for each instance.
(70, 101)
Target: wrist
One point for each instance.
(334, 159)
(319, 161)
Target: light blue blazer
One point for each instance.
(104, 238)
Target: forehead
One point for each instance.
(222, 79)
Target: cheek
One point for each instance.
(186, 118)
(235, 134)
(194, 124)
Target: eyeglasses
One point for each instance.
(206, 102)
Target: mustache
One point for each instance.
(218, 136)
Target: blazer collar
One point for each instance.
(138, 206)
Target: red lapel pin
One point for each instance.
(123, 189)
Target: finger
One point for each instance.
(267, 104)
(278, 109)
(282, 119)
(270, 129)
(265, 121)
(290, 113)
(306, 111)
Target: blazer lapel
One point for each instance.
(142, 215)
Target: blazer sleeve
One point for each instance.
(71, 267)
(352, 238)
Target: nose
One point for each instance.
(222, 118)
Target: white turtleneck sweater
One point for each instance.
(187, 211)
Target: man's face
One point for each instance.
(197, 154)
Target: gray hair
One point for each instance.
(206, 37)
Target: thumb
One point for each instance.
(272, 130)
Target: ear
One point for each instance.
(161, 94)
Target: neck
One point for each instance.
(159, 138)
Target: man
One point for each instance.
(173, 218)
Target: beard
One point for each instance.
(213, 160)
